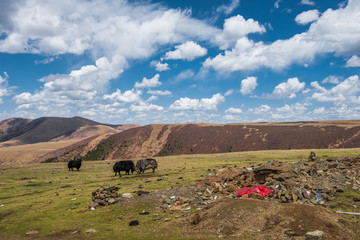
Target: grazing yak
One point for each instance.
(125, 165)
(76, 163)
(148, 163)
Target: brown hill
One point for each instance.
(28, 131)
(26, 140)
(164, 139)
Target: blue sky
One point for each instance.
(181, 60)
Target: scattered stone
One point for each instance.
(144, 213)
(195, 219)
(315, 235)
(134, 223)
(30, 233)
(166, 219)
(142, 192)
(127, 195)
(312, 156)
(175, 208)
(256, 196)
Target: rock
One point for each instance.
(134, 223)
(29, 233)
(315, 235)
(127, 195)
(142, 192)
(144, 213)
(231, 189)
(195, 219)
(111, 201)
(167, 219)
(93, 205)
(294, 197)
(306, 193)
(91, 231)
(216, 189)
(175, 208)
(256, 196)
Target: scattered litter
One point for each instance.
(92, 209)
(2, 205)
(91, 231)
(173, 197)
(351, 213)
(261, 189)
(73, 199)
(74, 232)
(32, 232)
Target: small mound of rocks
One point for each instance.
(105, 196)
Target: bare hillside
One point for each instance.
(175, 139)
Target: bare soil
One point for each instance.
(259, 219)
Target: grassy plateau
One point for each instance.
(54, 201)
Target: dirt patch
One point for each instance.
(265, 220)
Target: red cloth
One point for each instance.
(261, 189)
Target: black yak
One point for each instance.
(76, 163)
(125, 165)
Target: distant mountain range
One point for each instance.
(17, 131)
(174, 139)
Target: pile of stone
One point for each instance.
(314, 182)
(105, 196)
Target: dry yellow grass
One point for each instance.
(22, 154)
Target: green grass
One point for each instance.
(53, 201)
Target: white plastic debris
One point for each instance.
(352, 213)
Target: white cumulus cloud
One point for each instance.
(227, 9)
(248, 85)
(4, 90)
(159, 92)
(149, 83)
(336, 32)
(205, 104)
(229, 92)
(346, 91)
(145, 107)
(129, 96)
(234, 110)
(187, 51)
(307, 17)
(332, 79)
(160, 67)
(307, 2)
(287, 89)
(237, 27)
(354, 61)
